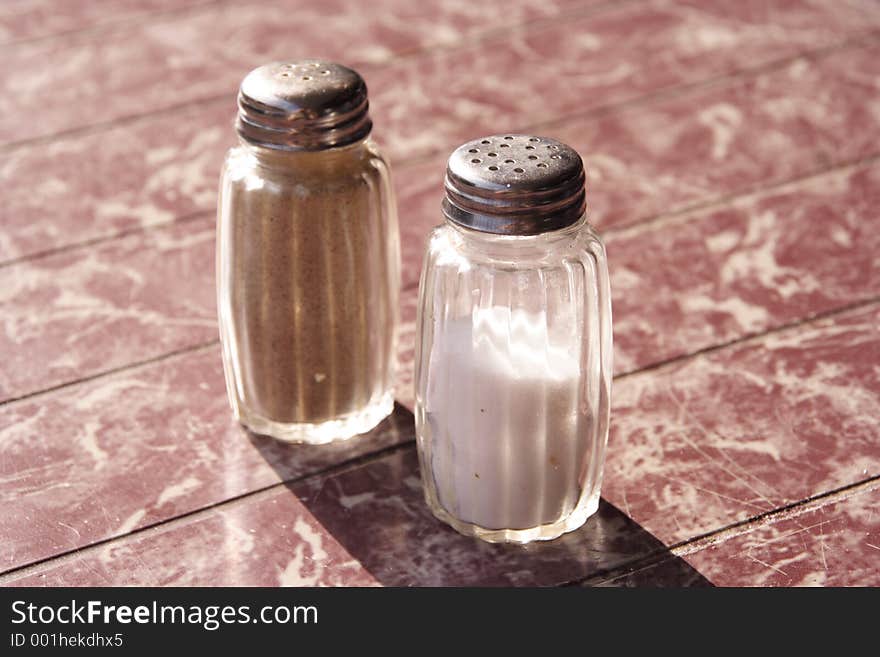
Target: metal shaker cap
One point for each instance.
(514, 185)
(309, 104)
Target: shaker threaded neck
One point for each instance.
(514, 185)
(309, 104)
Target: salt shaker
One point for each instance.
(513, 354)
(308, 271)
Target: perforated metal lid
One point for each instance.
(514, 185)
(310, 104)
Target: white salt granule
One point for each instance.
(508, 440)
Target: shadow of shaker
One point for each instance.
(374, 507)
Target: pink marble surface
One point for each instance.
(598, 62)
(707, 277)
(835, 545)
(695, 447)
(743, 268)
(81, 312)
(651, 159)
(113, 405)
(174, 60)
(644, 161)
(268, 540)
(764, 261)
(722, 140)
(34, 19)
(719, 438)
(406, 344)
(140, 447)
(77, 189)
(403, 546)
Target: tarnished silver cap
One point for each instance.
(514, 185)
(309, 104)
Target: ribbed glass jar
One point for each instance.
(307, 278)
(513, 365)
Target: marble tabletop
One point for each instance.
(733, 158)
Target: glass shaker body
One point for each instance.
(307, 287)
(513, 375)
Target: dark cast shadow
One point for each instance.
(374, 507)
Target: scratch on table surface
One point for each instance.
(73, 529)
(684, 482)
(767, 565)
(800, 530)
(84, 562)
(106, 515)
(822, 551)
(717, 462)
(626, 503)
(803, 529)
(320, 490)
(677, 523)
(154, 579)
(871, 545)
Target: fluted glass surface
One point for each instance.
(513, 365)
(307, 289)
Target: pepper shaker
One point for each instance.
(308, 271)
(513, 354)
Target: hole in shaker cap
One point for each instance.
(508, 137)
(493, 168)
(518, 170)
(476, 161)
(306, 77)
(509, 161)
(542, 165)
(530, 148)
(534, 139)
(493, 154)
(485, 141)
(533, 157)
(503, 145)
(473, 150)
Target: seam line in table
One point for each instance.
(707, 203)
(683, 548)
(595, 113)
(491, 34)
(727, 200)
(669, 92)
(794, 324)
(856, 41)
(722, 534)
(141, 229)
(650, 367)
(110, 372)
(158, 16)
(668, 362)
(338, 468)
(647, 223)
(98, 28)
(638, 224)
(195, 514)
